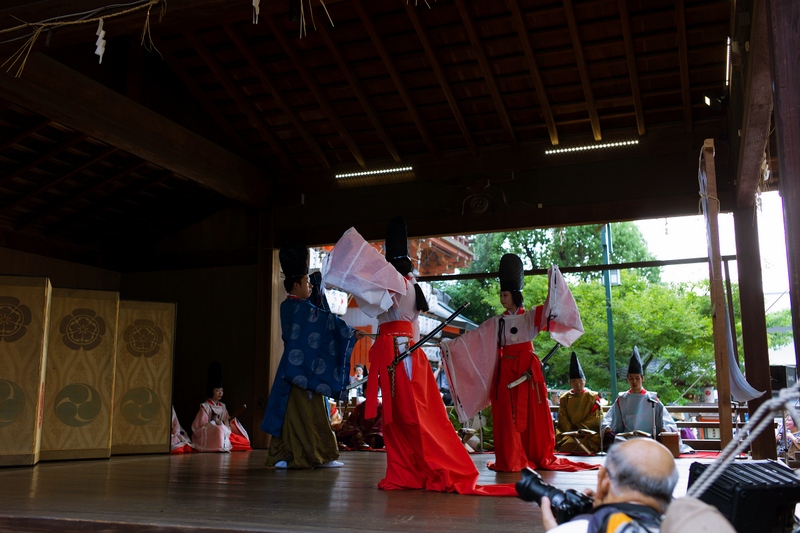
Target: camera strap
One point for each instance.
(624, 518)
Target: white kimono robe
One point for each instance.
(471, 359)
(632, 412)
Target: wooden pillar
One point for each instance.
(754, 324)
(267, 325)
(783, 18)
(717, 299)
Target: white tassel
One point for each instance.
(256, 10)
(101, 43)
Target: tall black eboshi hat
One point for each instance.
(635, 366)
(396, 239)
(214, 378)
(511, 274)
(294, 260)
(575, 370)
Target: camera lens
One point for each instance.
(532, 487)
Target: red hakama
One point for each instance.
(423, 450)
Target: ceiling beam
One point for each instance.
(257, 68)
(501, 161)
(630, 56)
(355, 86)
(241, 102)
(486, 70)
(437, 70)
(280, 35)
(586, 83)
(683, 56)
(388, 63)
(757, 109)
(56, 91)
(527, 47)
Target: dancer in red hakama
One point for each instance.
(423, 450)
(483, 363)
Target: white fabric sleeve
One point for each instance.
(470, 361)
(356, 267)
(560, 315)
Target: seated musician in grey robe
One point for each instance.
(638, 412)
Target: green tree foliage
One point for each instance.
(669, 323)
(779, 319)
(539, 248)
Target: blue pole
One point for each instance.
(612, 363)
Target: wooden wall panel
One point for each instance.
(61, 273)
(79, 387)
(143, 384)
(217, 309)
(24, 315)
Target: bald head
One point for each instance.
(644, 466)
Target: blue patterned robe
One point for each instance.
(316, 357)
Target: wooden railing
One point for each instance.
(707, 440)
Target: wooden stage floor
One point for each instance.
(236, 492)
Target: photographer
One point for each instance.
(636, 483)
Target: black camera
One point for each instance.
(566, 504)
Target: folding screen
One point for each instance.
(143, 389)
(79, 387)
(24, 314)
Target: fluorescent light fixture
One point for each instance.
(373, 172)
(728, 64)
(591, 147)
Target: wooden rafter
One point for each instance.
(388, 62)
(85, 214)
(486, 69)
(50, 183)
(355, 86)
(241, 101)
(527, 47)
(315, 89)
(437, 70)
(54, 90)
(630, 56)
(25, 133)
(256, 67)
(683, 56)
(36, 161)
(213, 111)
(76, 197)
(586, 83)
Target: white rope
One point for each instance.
(758, 423)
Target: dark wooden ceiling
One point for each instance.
(98, 160)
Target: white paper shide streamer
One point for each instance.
(100, 44)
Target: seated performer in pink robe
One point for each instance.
(213, 430)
